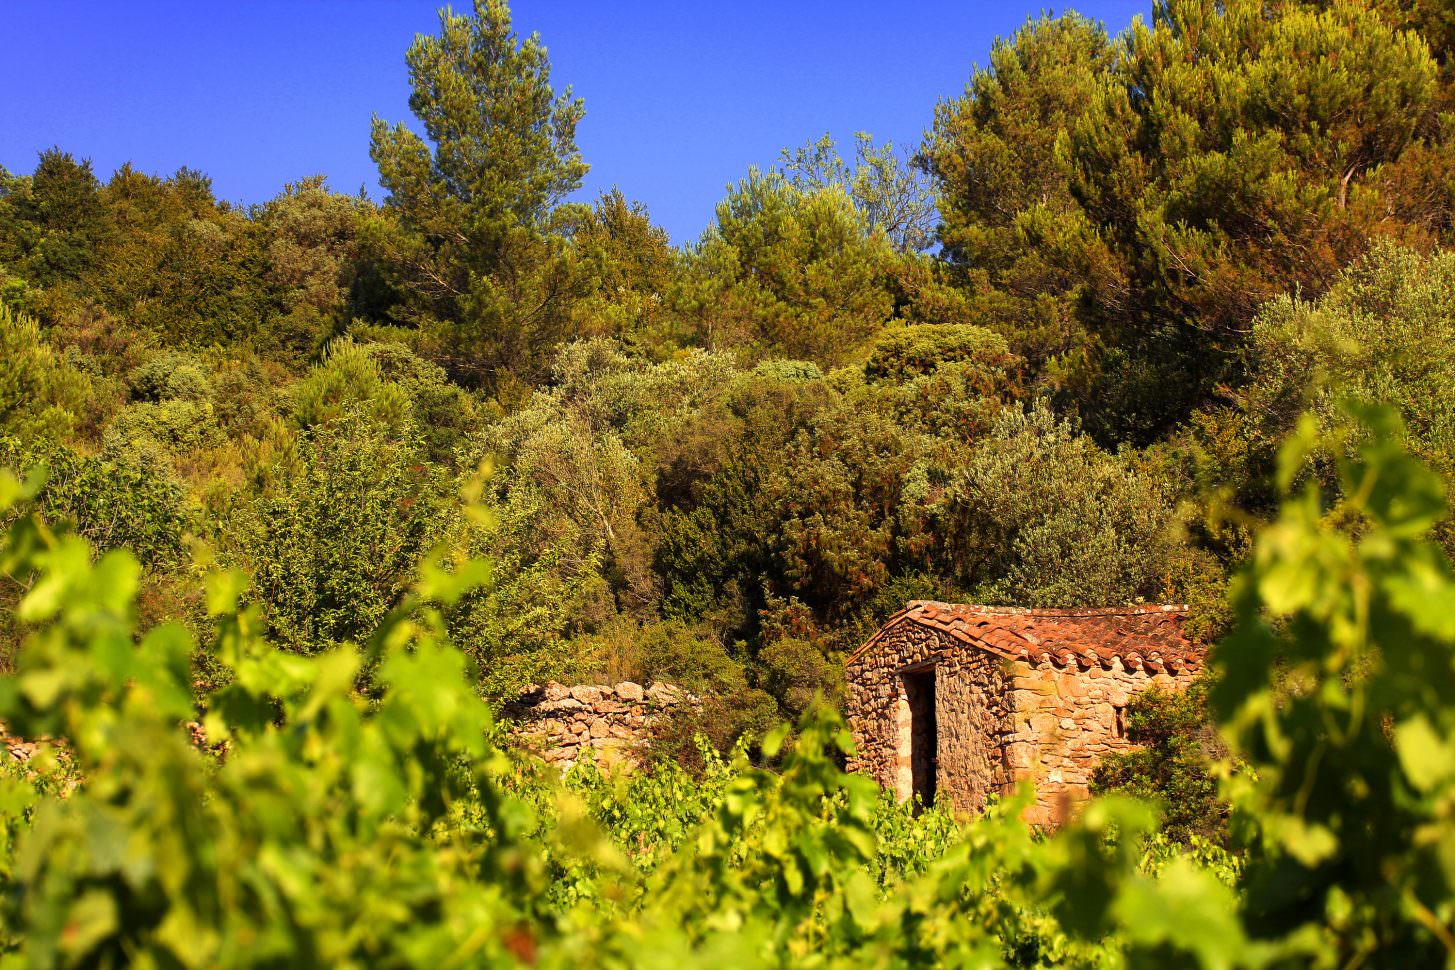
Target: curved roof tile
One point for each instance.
(1138, 637)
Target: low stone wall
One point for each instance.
(18, 748)
(609, 724)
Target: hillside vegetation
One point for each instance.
(1164, 316)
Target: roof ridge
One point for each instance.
(1131, 609)
(998, 632)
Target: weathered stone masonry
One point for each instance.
(965, 701)
(609, 724)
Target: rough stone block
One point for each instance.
(586, 695)
(664, 694)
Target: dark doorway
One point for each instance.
(924, 743)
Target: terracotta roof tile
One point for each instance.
(1140, 637)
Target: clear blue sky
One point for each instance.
(681, 95)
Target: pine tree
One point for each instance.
(1124, 208)
(474, 239)
(790, 271)
(54, 221)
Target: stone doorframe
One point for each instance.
(915, 707)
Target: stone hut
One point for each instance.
(964, 701)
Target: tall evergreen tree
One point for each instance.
(53, 223)
(790, 271)
(183, 265)
(478, 257)
(630, 267)
(1137, 202)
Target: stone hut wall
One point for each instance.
(1064, 722)
(971, 717)
(998, 721)
(610, 724)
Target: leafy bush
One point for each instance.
(162, 431)
(348, 380)
(332, 532)
(110, 500)
(796, 672)
(391, 386)
(167, 376)
(669, 651)
(41, 396)
(900, 353)
(1384, 333)
(1039, 515)
(1172, 765)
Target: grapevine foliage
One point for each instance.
(364, 813)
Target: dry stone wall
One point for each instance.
(609, 724)
(19, 749)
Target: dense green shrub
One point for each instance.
(1384, 333)
(904, 352)
(667, 650)
(1039, 515)
(110, 500)
(162, 430)
(1172, 765)
(796, 673)
(349, 380)
(167, 376)
(41, 396)
(333, 530)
